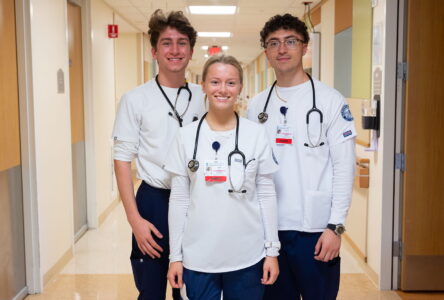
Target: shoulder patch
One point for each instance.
(346, 113)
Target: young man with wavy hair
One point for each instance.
(146, 124)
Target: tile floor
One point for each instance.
(100, 270)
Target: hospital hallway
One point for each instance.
(100, 270)
(66, 65)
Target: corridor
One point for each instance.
(100, 269)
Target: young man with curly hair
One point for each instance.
(146, 123)
(312, 134)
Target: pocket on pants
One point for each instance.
(137, 265)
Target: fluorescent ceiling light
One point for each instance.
(204, 47)
(214, 34)
(206, 55)
(225, 48)
(212, 9)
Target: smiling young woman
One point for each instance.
(222, 213)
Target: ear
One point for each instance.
(304, 49)
(154, 53)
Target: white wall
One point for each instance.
(128, 61)
(52, 130)
(103, 97)
(328, 42)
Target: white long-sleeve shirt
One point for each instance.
(211, 229)
(313, 185)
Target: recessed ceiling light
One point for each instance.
(204, 47)
(214, 34)
(212, 9)
(225, 48)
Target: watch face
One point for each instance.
(340, 229)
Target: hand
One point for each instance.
(175, 273)
(143, 231)
(328, 246)
(271, 270)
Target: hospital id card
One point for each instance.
(215, 171)
(284, 134)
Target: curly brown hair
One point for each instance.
(286, 22)
(174, 19)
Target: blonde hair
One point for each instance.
(223, 59)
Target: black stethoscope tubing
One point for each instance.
(173, 107)
(263, 116)
(193, 164)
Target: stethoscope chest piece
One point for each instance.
(193, 165)
(263, 117)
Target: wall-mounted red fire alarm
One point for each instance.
(113, 31)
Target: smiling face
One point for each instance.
(172, 52)
(284, 59)
(222, 85)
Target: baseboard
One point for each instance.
(58, 266)
(355, 247)
(108, 210)
(22, 294)
(362, 260)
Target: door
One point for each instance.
(423, 189)
(12, 245)
(77, 118)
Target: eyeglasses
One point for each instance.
(289, 43)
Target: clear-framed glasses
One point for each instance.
(290, 43)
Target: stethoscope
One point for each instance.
(193, 164)
(263, 116)
(179, 117)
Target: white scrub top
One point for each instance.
(143, 119)
(224, 231)
(304, 182)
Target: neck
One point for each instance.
(173, 80)
(221, 120)
(287, 79)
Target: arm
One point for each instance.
(141, 228)
(177, 215)
(267, 202)
(343, 158)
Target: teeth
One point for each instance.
(222, 98)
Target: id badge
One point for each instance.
(215, 171)
(284, 134)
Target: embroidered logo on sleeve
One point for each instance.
(346, 113)
(347, 133)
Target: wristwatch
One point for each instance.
(338, 229)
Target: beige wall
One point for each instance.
(128, 60)
(327, 42)
(103, 83)
(52, 130)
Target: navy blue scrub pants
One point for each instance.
(244, 284)
(150, 274)
(300, 274)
